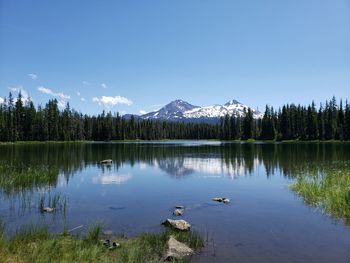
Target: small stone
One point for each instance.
(177, 250)
(114, 246)
(48, 209)
(180, 207)
(178, 212)
(217, 199)
(178, 224)
(226, 200)
(106, 242)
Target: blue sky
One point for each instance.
(132, 56)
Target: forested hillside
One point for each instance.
(21, 121)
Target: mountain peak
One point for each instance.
(231, 102)
(178, 105)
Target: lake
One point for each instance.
(265, 222)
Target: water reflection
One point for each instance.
(111, 178)
(146, 180)
(179, 167)
(31, 167)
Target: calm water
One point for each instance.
(265, 222)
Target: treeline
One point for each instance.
(21, 121)
(292, 122)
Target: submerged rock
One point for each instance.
(221, 199)
(177, 224)
(107, 161)
(48, 209)
(180, 207)
(217, 199)
(178, 212)
(177, 250)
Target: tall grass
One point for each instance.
(328, 189)
(35, 244)
(17, 178)
(93, 233)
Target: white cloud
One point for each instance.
(86, 83)
(1, 100)
(78, 93)
(24, 93)
(50, 92)
(61, 97)
(82, 99)
(103, 85)
(32, 76)
(109, 101)
(143, 112)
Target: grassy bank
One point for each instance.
(36, 244)
(328, 189)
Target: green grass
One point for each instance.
(35, 244)
(328, 189)
(15, 178)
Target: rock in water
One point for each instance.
(225, 200)
(177, 250)
(180, 207)
(177, 224)
(217, 199)
(178, 212)
(48, 209)
(107, 161)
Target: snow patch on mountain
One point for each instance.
(182, 110)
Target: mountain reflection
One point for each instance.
(179, 167)
(30, 167)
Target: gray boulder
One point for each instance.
(178, 224)
(177, 250)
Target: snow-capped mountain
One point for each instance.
(179, 110)
(173, 110)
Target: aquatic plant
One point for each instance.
(17, 178)
(328, 189)
(56, 201)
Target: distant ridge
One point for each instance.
(180, 110)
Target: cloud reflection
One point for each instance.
(111, 178)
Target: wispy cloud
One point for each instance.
(17, 90)
(32, 76)
(61, 97)
(103, 85)
(82, 99)
(143, 112)
(78, 93)
(86, 83)
(109, 101)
